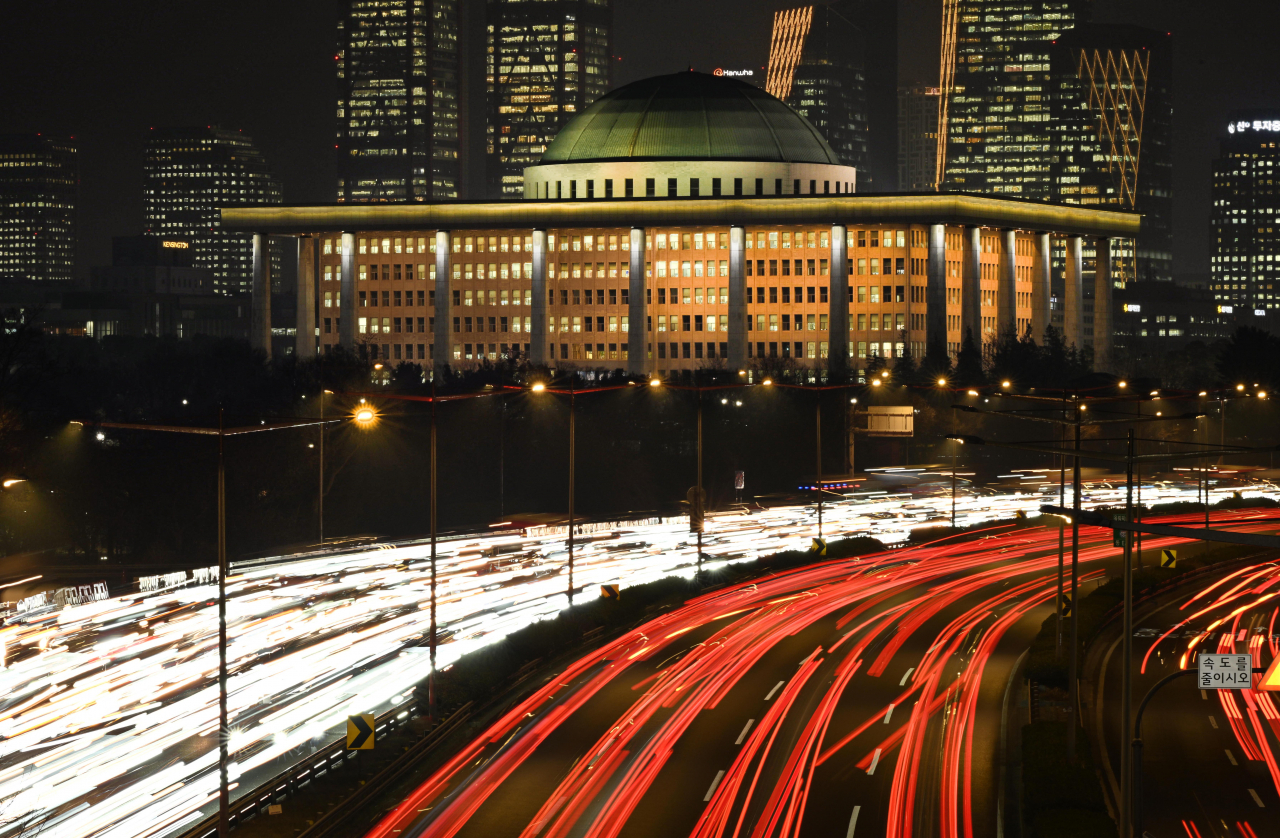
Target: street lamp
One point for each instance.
(365, 416)
(942, 382)
(10, 482)
(224, 726)
(540, 388)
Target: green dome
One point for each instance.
(689, 116)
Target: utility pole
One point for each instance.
(431, 679)
(224, 725)
(1074, 686)
(1126, 680)
(572, 446)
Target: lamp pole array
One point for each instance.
(221, 432)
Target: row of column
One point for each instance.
(935, 294)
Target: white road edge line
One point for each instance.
(903, 682)
(1213, 722)
(875, 760)
(743, 735)
(714, 785)
(889, 714)
(1231, 758)
(1257, 799)
(774, 691)
(853, 822)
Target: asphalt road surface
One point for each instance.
(1209, 756)
(854, 698)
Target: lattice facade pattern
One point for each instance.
(790, 28)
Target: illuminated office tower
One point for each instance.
(917, 139)
(1113, 131)
(836, 65)
(995, 120)
(189, 175)
(546, 62)
(38, 187)
(398, 68)
(1245, 213)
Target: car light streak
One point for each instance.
(108, 710)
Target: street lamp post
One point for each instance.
(224, 722)
(1073, 686)
(431, 677)
(572, 452)
(818, 435)
(699, 510)
(1126, 680)
(955, 465)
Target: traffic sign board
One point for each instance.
(818, 546)
(1168, 558)
(610, 591)
(1066, 605)
(360, 732)
(1270, 681)
(1224, 672)
(1119, 537)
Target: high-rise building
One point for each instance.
(836, 64)
(398, 108)
(1245, 213)
(1113, 136)
(546, 62)
(39, 182)
(1038, 103)
(918, 138)
(189, 175)
(996, 117)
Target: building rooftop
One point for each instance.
(689, 116)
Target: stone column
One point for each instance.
(971, 286)
(1102, 305)
(737, 298)
(443, 336)
(838, 360)
(308, 277)
(347, 292)
(260, 312)
(538, 332)
(1041, 288)
(1073, 311)
(1007, 287)
(935, 293)
(637, 358)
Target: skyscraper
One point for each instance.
(189, 174)
(917, 138)
(996, 122)
(836, 64)
(545, 63)
(1113, 133)
(1245, 214)
(398, 108)
(39, 183)
(1038, 103)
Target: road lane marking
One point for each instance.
(1256, 799)
(903, 682)
(853, 822)
(1231, 759)
(875, 760)
(1213, 722)
(774, 691)
(743, 735)
(888, 715)
(714, 785)
(1204, 695)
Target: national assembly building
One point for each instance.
(681, 222)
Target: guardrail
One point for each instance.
(329, 758)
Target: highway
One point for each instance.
(1210, 758)
(857, 697)
(108, 710)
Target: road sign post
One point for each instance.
(360, 732)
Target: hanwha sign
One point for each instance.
(733, 74)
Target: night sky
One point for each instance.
(105, 72)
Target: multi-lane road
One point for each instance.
(108, 716)
(1210, 763)
(858, 697)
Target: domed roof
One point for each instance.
(689, 116)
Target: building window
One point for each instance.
(672, 189)
(629, 187)
(693, 187)
(737, 187)
(715, 187)
(650, 189)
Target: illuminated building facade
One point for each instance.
(918, 138)
(188, 174)
(39, 185)
(836, 65)
(1245, 215)
(545, 63)
(760, 274)
(398, 102)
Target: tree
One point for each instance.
(1252, 356)
(969, 371)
